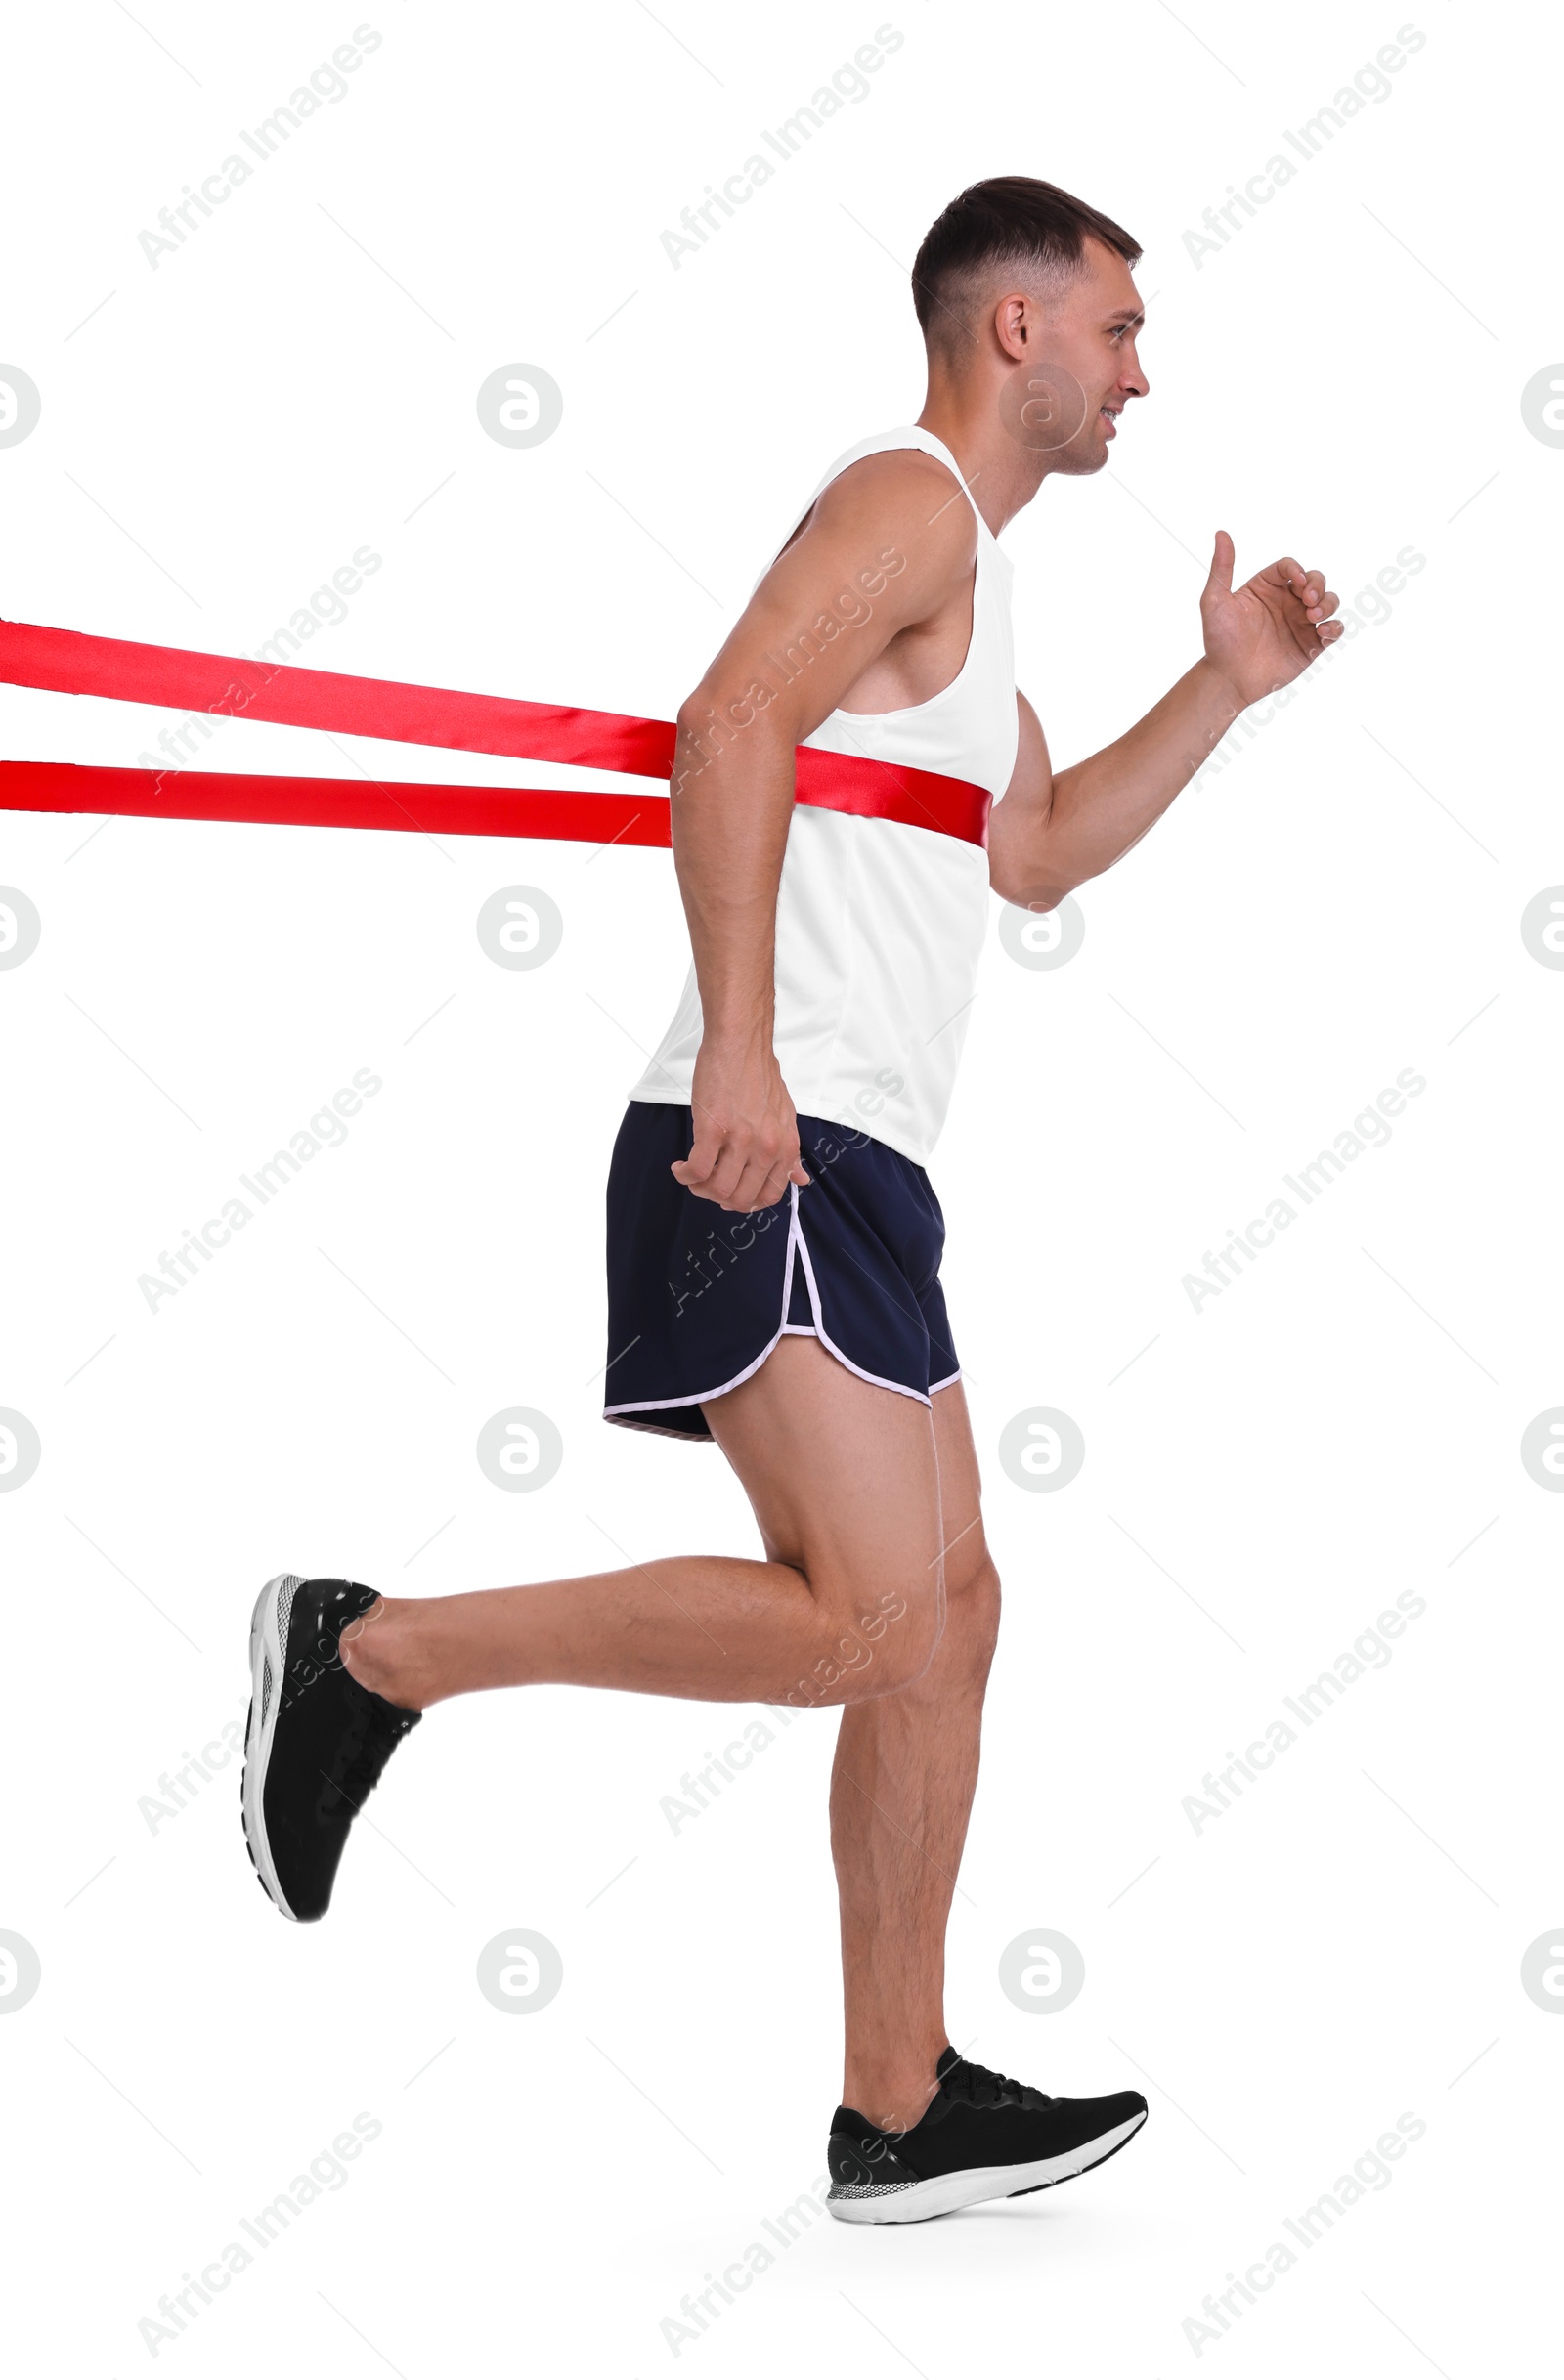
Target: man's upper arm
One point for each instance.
(1017, 819)
(883, 548)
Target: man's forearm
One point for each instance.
(1102, 806)
(731, 807)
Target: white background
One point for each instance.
(1341, 380)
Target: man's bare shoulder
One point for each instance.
(901, 498)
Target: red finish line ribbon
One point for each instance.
(60, 661)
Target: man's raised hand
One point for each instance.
(1265, 634)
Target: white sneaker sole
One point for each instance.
(943, 2194)
(266, 1648)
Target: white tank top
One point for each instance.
(880, 926)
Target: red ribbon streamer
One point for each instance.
(387, 805)
(62, 661)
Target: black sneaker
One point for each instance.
(982, 2136)
(316, 1743)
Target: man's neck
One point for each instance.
(1002, 475)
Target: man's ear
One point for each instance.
(1016, 325)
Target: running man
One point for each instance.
(773, 1238)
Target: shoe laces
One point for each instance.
(982, 2086)
(384, 1727)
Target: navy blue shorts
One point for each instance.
(698, 1298)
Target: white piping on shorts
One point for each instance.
(797, 1247)
(795, 1231)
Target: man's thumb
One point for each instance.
(706, 1146)
(1220, 582)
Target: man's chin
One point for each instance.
(1082, 456)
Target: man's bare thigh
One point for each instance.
(966, 1550)
(843, 1476)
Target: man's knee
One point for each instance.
(963, 1618)
(971, 1608)
(962, 1626)
(911, 1639)
(876, 1644)
(889, 1644)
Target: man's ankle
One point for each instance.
(893, 2099)
(380, 1651)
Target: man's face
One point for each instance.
(1081, 368)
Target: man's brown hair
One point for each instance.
(1009, 219)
